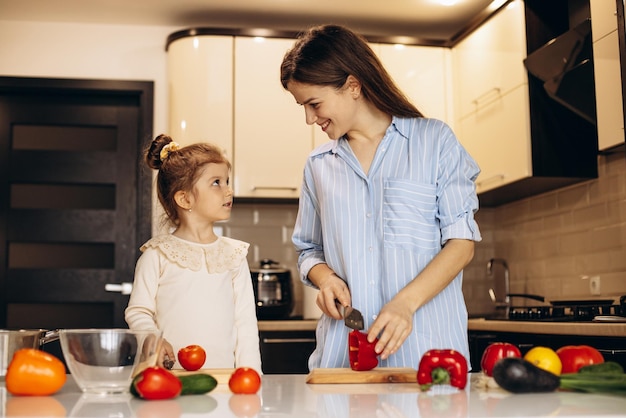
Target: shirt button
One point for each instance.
(370, 249)
(369, 215)
(374, 317)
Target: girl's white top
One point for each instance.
(198, 294)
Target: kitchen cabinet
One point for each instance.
(226, 90)
(612, 348)
(492, 98)
(200, 75)
(422, 73)
(286, 352)
(524, 141)
(609, 108)
(272, 140)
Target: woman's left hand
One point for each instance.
(394, 323)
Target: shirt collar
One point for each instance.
(400, 125)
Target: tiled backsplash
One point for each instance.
(549, 241)
(552, 241)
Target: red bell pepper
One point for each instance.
(442, 367)
(361, 352)
(156, 383)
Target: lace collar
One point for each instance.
(220, 256)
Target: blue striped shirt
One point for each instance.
(378, 231)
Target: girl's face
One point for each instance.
(212, 197)
(333, 110)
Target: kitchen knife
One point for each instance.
(353, 318)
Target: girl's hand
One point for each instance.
(333, 294)
(167, 353)
(394, 323)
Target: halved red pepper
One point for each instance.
(361, 352)
(442, 367)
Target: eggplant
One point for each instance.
(520, 376)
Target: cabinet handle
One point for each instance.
(292, 189)
(611, 351)
(287, 340)
(495, 91)
(497, 177)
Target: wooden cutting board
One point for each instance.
(377, 375)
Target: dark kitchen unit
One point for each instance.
(599, 323)
(286, 345)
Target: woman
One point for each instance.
(386, 214)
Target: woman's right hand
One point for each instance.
(167, 353)
(333, 294)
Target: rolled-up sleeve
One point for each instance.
(456, 191)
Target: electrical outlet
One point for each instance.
(594, 285)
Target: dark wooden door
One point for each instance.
(74, 199)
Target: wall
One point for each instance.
(553, 241)
(67, 50)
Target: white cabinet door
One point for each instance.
(498, 138)
(489, 62)
(421, 73)
(272, 139)
(200, 73)
(609, 107)
(607, 74)
(603, 18)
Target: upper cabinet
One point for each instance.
(491, 99)
(422, 73)
(226, 90)
(200, 91)
(525, 141)
(272, 139)
(610, 112)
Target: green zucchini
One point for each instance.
(521, 376)
(197, 383)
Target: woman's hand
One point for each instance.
(333, 293)
(394, 323)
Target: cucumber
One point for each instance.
(606, 367)
(521, 376)
(197, 383)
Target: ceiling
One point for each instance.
(426, 22)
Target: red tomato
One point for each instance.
(192, 357)
(495, 352)
(244, 380)
(573, 357)
(156, 383)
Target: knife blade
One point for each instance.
(353, 318)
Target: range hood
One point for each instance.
(565, 65)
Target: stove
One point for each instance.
(568, 311)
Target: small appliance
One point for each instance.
(273, 290)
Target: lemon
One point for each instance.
(545, 358)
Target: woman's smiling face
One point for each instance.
(332, 109)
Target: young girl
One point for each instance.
(191, 284)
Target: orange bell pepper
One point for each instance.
(34, 372)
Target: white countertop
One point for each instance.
(560, 328)
(290, 396)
